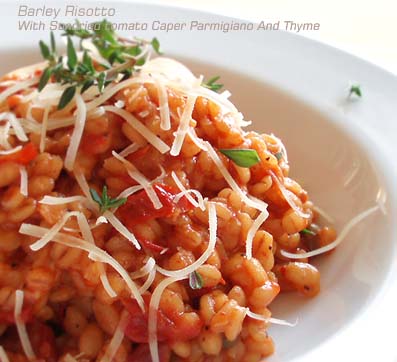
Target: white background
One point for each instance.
(365, 28)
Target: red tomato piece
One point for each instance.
(95, 144)
(139, 208)
(23, 157)
(14, 100)
(155, 248)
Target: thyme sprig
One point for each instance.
(212, 84)
(121, 53)
(355, 89)
(104, 201)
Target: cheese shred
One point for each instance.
(53, 200)
(42, 242)
(165, 123)
(345, 231)
(183, 125)
(141, 179)
(3, 355)
(21, 327)
(17, 87)
(280, 322)
(44, 126)
(78, 129)
(145, 132)
(16, 125)
(11, 151)
(252, 231)
(117, 339)
(186, 193)
(87, 236)
(97, 253)
(116, 223)
(24, 181)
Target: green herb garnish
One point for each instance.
(356, 90)
(81, 74)
(156, 45)
(104, 201)
(195, 280)
(242, 157)
(308, 232)
(211, 84)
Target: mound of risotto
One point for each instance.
(140, 221)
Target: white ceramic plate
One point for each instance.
(343, 152)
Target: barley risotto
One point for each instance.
(140, 220)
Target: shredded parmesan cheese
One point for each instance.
(3, 355)
(153, 308)
(98, 253)
(7, 83)
(42, 242)
(165, 120)
(116, 223)
(181, 273)
(44, 126)
(226, 94)
(78, 129)
(287, 197)
(350, 225)
(141, 179)
(81, 180)
(111, 90)
(145, 270)
(24, 180)
(117, 338)
(4, 134)
(11, 151)
(130, 149)
(186, 193)
(149, 281)
(196, 140)
(106, 285)
(270, 320)
(15, 124)
(252, 231)
(21, 328)
(101, 220)
(87, 236)
(200, 200)
(130, 191)
(17, 87)
(183, 125)
(145, 132)
(53, 200)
